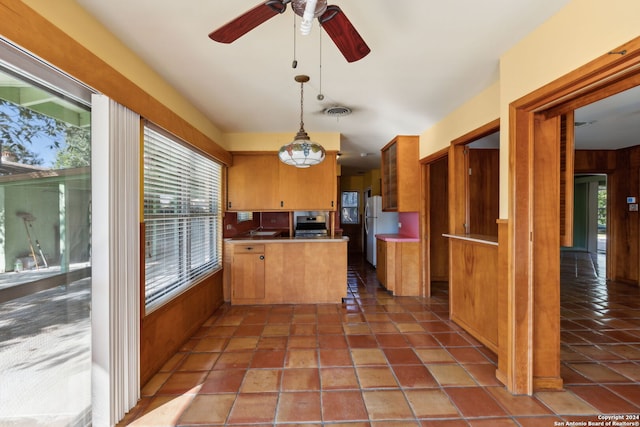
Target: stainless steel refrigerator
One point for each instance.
(377, 222)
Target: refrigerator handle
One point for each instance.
(366, 218)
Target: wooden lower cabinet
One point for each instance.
(381, 262)
(397, 267)
(247, 274)
(290, 272)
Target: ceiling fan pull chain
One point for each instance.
(294, 64)
(320, 95)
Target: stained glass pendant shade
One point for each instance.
(302, 152)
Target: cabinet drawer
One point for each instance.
(249, 249)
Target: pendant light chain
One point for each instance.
(301, 105)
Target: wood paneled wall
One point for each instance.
(624, 225)
(439, 219)
(165, 330)
(594, 161)
(484, 191)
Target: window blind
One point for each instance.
(182, 215)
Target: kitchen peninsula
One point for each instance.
(289, 253)
(262, 269)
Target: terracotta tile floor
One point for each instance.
(379, 360)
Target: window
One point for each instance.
(349, 212)
(182, 215)
(245, 216)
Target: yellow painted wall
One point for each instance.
(352, 183)
(370, 179)
(476, 112)
(273, 141)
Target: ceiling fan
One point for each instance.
(331, 19)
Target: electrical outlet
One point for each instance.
(228, 226)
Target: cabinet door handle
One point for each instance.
(281, 204)
(332, 203)
(249, 248)
(262, 257)
(229, 205)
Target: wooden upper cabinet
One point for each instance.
(252, 182)
(312, 188)
(261, 182)
(401, 175)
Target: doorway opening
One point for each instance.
(590, 219)
(533, 359)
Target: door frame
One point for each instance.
(425, 222)
(531, 363)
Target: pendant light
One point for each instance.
(302, 152)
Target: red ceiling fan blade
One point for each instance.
(249, 20)
(343, 34)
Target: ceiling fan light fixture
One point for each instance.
(302, 152)
(333, 21)
(299, 7)
(307, 17)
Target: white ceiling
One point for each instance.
(611, 123)
(427, 58)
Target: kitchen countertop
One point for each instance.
(396, 238)
(478, 238)
(271, 239)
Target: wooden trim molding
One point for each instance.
(519, 297)
(435, 156)
(459, 205)
(567, 162)
(484, 130)
(504, 343)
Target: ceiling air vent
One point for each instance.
(337, 111)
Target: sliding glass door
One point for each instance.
(45, 246)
